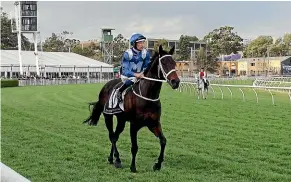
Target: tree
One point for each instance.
(224, 41)
(284, 44)
(263, 46)
(260, 46)
(60, 42)
(54, 43)
(184, 44)
(120, 44)
(162, 42)
(87, 51)
(206, 60)
(9, 40)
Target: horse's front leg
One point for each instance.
(157, 130)
(198, 93)
(203, 93)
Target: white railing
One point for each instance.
(273, 82)
(191, 87)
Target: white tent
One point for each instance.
(51, 62)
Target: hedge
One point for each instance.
(9, 83)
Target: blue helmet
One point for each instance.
(136, 37)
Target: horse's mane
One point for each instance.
(153, 59)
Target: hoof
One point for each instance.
(157, 166)
(110, 160)
(91, 123)
(133, 169)
(118, 165)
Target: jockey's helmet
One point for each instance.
(136, 37)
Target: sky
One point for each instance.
(161, 19)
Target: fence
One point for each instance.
(55, 71)
(61, 81)
(191, 87)
(273, 82)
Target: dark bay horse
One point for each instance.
(142, 106)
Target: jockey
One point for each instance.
(134, 61)
(203, 75)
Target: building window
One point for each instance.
(171, 44)
(253, 64)
(151, 44)
(177, 46)
(197, 46)
(191, 45)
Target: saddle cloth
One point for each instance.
(113, 106)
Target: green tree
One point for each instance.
(9, 40)
(260, 46)
(120, 44)
(162, 42)
(54, 44)
(60, 43)
(87, 51)
(224, 41)
(184, 44)
(206, 60)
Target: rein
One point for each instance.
(160, 68)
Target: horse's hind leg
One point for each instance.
(157, 130)
(119, 129)
(109, 125)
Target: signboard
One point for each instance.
(232, 57)
(286, 69)
(116, 69)
(28, 16)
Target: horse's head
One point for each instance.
(163, 67)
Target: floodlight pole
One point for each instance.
(18, 29)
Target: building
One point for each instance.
(255, 66)
(86, 44)
(52, 65)
(150, 43)
(186, 68)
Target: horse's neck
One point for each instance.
(150, 89)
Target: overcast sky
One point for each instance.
(161, 19)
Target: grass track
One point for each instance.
(208, 140)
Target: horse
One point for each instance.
(142, 106)
(202, 87)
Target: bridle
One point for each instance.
(160, 68)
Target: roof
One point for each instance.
(283, 58)
(10, 57)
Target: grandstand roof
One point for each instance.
(10, 57)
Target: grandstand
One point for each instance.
(52, 65)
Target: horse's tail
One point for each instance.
(95, 115)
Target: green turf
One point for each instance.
(43, 137)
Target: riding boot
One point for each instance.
(120, 90)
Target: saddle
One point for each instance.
(112, 106)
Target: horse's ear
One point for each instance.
(160, 49)
(172, 50)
